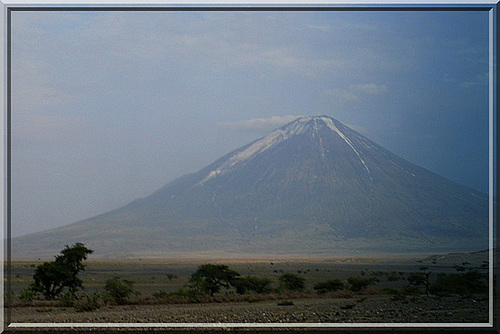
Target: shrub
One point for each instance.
(183, 293)
(119, 290)
(285, 303)
(28, 295)
(90, 304)
(393, 276)
(291, 282)
(402, 293)
(172, 276)
(468, 283)
(252, 299)
(161, 294)
(252, 283)
(66, 299)
(329, 286)
(347, 306)
(421, 278)
(10, 295)
(357, 284)
(210, 278)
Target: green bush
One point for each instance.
(347, 306)
(403, 293)
(183, 292)
(210, 278)
(252, 299)
(28, 295)
(252, 283)
(393, 276)
(285, 303)
(464, 284)
(66, 299)
(161, 294)
(120, 290)
(291, 282)
(172, 276)
(358, 284)
(6, 296)
(329, 286)
(91, 303)
(421, 278)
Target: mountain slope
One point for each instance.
(311, 187)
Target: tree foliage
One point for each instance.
(252, 283)
(50, 278)
(358, 284)
(120, 290)
(420, 279)
(291, 282)
(72, 259)
(468, 283)
(329, 286)
(210, 278)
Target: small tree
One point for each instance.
(72, 259)
(420, 279)
(50, 278)
(210, 278)
(291, 282)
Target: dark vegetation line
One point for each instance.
(57, 283)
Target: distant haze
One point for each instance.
(108, 107)
(312, 187)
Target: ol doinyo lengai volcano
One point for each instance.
(313, 187)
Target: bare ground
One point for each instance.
(361, 309)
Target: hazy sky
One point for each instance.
(108, 107)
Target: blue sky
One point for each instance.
(108, 107)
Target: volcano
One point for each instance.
(313, 187)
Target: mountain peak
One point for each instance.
(303, 125)
(313, 118)
(314, 186)
(296, 127)
(310, 120)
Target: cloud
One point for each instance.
(353, 92)
(259, 124)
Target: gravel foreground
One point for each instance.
(361, 309)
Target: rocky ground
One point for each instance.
(364, 309)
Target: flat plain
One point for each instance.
(371, 305)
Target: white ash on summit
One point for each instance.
(311, 187)
(298, 127)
